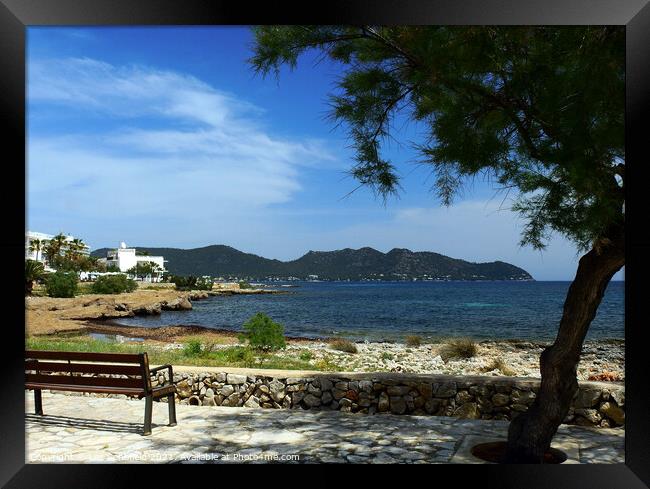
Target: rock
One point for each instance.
(220, 377)
(425, 390)
(226, 390)
(311, 400)
(326, 398)
(444, 389)
(365, 386)
(384, 403)
(183, 389)
(618, 395)
(338, 394)
(352, 394)
(397, 390)
(397, 405)
(469, 410)
(277, 391)
(292, 380)
(519, 407)
(209, 401)
(587, 398)
(326, 385)
(613, 412)
(522, 397)
(148, 310)
(252, 402)
(179, 304)
(462, 397)
(232, 400)
(343, 386)
(312, 389)
(500, 400)
(236, 379)
(296, 397)
(590, 415)
(264, 389)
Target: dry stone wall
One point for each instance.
(471, 397)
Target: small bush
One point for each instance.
(343, 345)
(306, 356)
(263, 333)
(500, 365)
(413, 340)
(113, 284)
(458, 348)
(386, 356)
(191, 282)
(245, 285)
(61, 284)
(192, 348)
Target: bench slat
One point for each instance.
(87, 356)
(83, 367)
(81, 388)
(83, 381)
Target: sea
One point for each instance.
(389, 311)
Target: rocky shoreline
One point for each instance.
(602, 360)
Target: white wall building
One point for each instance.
(39, 255)
(124, 258)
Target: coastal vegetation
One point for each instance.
(413, 340)
(34, 272)
(456, 348)
(113, 284)
(61, 284)
(191, 282)
(517, 105)
(262, 333)
(341, 344)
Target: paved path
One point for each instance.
(90, 429)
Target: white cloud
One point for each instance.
(207, 155)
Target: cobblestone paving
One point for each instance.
(88, 429)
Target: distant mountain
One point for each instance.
(346, 264)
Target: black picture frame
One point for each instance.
(16, 15)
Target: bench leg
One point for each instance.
(172, 409)
(147, 414)
(38, 401)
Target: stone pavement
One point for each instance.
(86, 429)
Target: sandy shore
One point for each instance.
(601, 360)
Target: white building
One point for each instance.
(124, 259)
(39, 255)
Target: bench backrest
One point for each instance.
(72, 368)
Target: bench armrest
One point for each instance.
(162, 367)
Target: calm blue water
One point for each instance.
(374, 311)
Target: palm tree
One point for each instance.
(34, 270)
(54, 247)
(35, 246)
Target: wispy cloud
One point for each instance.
(205, 153)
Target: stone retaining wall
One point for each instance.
(471, 397)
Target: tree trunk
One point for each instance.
(530, 433)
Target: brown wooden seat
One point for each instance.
(125, 373)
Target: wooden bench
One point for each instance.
(77, 372)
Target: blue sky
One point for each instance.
(163, 136)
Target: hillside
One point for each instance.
(347, 264)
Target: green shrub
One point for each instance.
(458, 348)
(386, 356)
(191, 282)
(245, 285)
(343, 345)
(413, 340)
(192, 348)
(263, 333)
(113, 284)
(306, 355)
(61, 284)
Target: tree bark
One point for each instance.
(530, 433)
